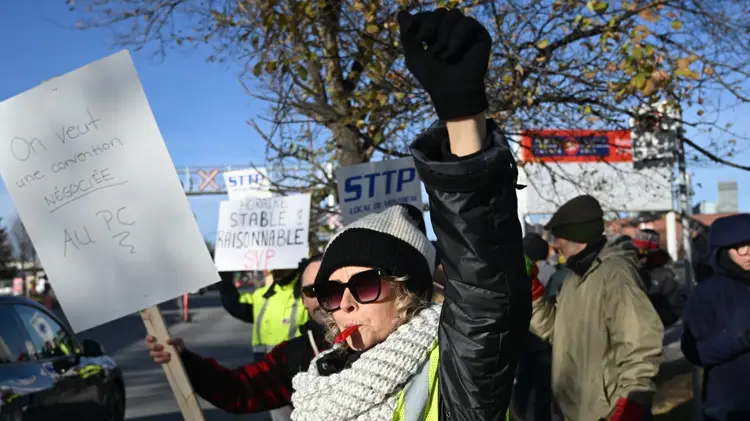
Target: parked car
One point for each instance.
(47, 374)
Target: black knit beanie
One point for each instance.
(393, 240)
(535, 247)
(580, 219)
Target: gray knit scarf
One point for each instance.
(369, 389)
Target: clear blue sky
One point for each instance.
(200, 107)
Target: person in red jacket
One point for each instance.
(261, 386)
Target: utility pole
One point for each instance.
(658, 129)
(683, 191)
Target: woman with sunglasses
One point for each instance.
(398, 356)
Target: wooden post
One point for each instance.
(176, 375)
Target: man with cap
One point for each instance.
(606, 337)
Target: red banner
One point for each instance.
(576, 146)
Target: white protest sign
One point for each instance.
(263, 233)
(249, 182)
(374, 186)
(88, 171)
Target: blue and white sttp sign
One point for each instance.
(374, 186)
(248, 182)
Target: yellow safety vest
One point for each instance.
(277, 315)
(419, 401)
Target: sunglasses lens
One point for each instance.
(367, 286)
(308, 292)
(329, 295)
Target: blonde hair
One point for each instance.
(407, 305)
(439, 295)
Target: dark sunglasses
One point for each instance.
(308, 291)
(365, 287)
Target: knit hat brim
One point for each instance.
(393, 240)
(583, 232)
(363, 247)
(535, 247)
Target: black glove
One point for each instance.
(227, 278)
(453, 66)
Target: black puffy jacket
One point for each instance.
(485, 316)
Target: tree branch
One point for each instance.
(713, 157)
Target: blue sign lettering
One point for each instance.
(353, 185)
(350, 187)
(245, 180)
(402, 177)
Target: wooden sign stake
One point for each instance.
(175, 371)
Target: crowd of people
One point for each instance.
(387, 325)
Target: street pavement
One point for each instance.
(211, 333)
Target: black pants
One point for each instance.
(532, 393)
(720, 414)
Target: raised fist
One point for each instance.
(449, 54)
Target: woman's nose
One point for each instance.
(348, 303)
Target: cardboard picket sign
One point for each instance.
(89, 173)
(263, 233)
(248, 182)
(373, 186)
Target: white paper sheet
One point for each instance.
(88, 171)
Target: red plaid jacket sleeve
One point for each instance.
(256, 387)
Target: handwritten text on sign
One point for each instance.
(86, 181)
(374, 186)
(263, 233)
(90, 175)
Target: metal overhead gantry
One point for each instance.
(206, 180)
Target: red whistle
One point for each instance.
(346, 333)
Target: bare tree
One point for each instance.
(337, 91)
(24, 248)
(6, 254)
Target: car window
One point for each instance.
(14, 344)
(49, 338)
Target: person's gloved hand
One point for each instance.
(227, 280)
(454, 63)
(627, 410)
(537, 289)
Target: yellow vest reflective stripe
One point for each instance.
(419, 401)
(276, 318)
